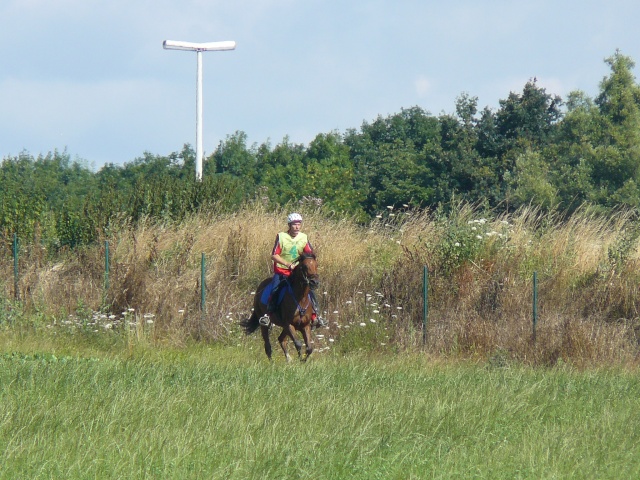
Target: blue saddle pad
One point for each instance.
(264, 298)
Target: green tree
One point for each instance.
(330, 174)
(530, 182)
(616, 160)
(529, 119)
(282, 171)
(233, 157)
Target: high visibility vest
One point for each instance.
(292, 247)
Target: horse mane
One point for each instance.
(304, 256)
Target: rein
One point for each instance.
(307, 281)
(301, 310)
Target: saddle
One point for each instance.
(266, 293)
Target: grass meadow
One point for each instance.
(134, 378)
(225, 412)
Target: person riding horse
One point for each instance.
(288, 247)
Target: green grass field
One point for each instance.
(224, 412)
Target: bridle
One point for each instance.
(312, 280)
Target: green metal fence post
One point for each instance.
(106, 265)
(16, 292)
(535, 304)
(425, 303)
(203, 269)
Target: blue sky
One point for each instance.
(92, 77)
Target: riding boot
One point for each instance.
(318, 321)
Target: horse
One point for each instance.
(295, 310)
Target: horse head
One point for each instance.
(308, 268)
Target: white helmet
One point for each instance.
(294, 217)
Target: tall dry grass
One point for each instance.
(480, 280)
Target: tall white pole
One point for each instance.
(198, 48)
(199, 117)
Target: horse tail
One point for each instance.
(250, 324)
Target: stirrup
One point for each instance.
(319, 322)
(265, 320)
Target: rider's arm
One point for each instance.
(275, 254)
(277, 258)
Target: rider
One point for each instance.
(288, 247)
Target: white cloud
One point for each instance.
(422, 85)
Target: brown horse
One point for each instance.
(295, 310)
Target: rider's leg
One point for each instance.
(275, 291)
(318, 321)
(271, 302)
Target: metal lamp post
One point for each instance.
(198, 48)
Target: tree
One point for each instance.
(530, 182)
(616, 161)
(529, 119)
(330, 174)
(282, 171)
(233, 157)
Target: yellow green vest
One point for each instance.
(292, 248)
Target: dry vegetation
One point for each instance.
(480, 281)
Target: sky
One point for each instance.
(90, 77)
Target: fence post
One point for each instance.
(106, 265)
(203, 269)
(425, 303)
(16, 292)
(535, 304)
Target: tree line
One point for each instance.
(535, 148)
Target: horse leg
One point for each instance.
(291, 331)
(282, 338)
(267, 342)
(306, 335)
